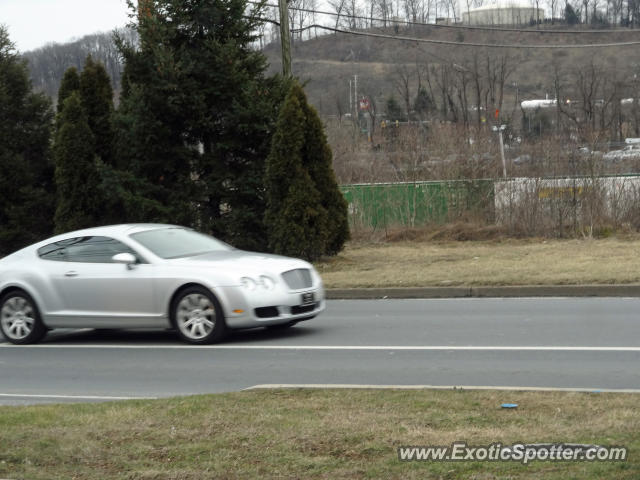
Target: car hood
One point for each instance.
(241, 262)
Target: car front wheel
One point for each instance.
(197, 316)
(20, 320)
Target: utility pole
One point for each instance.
(504, 163)
(285, 40)
(355, 93)
(356, 104)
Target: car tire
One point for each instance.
(197, 316)
(20, 320)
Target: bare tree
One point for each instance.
(385, 10)
(338, 7)
(553, 7)
(402, 79)
(478, 90)
(443, 77)
(462, 77)
(353, 14)
(585, 5)
(593, 103)
(412, 9)
(301, 15)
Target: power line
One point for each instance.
(462, 44)
(454, 27)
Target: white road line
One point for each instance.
(72, 397)
(441, 387)
(541, 348)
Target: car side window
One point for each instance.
(86, 250)
(53, 251)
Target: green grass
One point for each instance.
(332, 434)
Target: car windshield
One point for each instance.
(178, 242)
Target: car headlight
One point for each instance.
(263, 281)
(267, 282)
(248, 283)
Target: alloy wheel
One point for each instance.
(18, 318)
(195, 316)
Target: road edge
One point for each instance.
(630, 290)
(507, 388)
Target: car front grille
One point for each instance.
(298, 278)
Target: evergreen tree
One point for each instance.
(26, 170)
(76, 174)
(97, 100)
(570, 15)
(149, 147)
(239, 178)
(70, 83)
(318, 161)
(197, 115)
(298, 223)
(306, 212)
(115, 190)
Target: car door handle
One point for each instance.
(71, 273)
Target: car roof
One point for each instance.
(121, 229)
(108, 230)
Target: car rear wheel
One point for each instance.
(197, 316)
(20, 320)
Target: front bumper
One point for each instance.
(265, 308)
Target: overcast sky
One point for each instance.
(34, 23)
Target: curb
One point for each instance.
(478, 292)
(594, 390)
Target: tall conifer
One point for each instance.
(197, 115)
(70, 83)
(306, 212)
(77, 181)
(97, 100)
(319, 162)
(26, 170)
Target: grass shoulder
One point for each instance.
(302, 433)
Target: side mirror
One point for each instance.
(127, 259)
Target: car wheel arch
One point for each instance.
(21, 288)
(182, 288)
(39, 328)
(10, 289)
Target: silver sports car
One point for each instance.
(148, 276)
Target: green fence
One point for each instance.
(381, 205)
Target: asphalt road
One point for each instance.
(585, 343)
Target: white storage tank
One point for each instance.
(503, 12)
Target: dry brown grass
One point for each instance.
(330, 434)
(495, 262)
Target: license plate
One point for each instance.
(307, 298)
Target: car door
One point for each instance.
(96, 292)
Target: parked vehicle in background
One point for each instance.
(151, 276)
(522, 159)
(630, 152)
